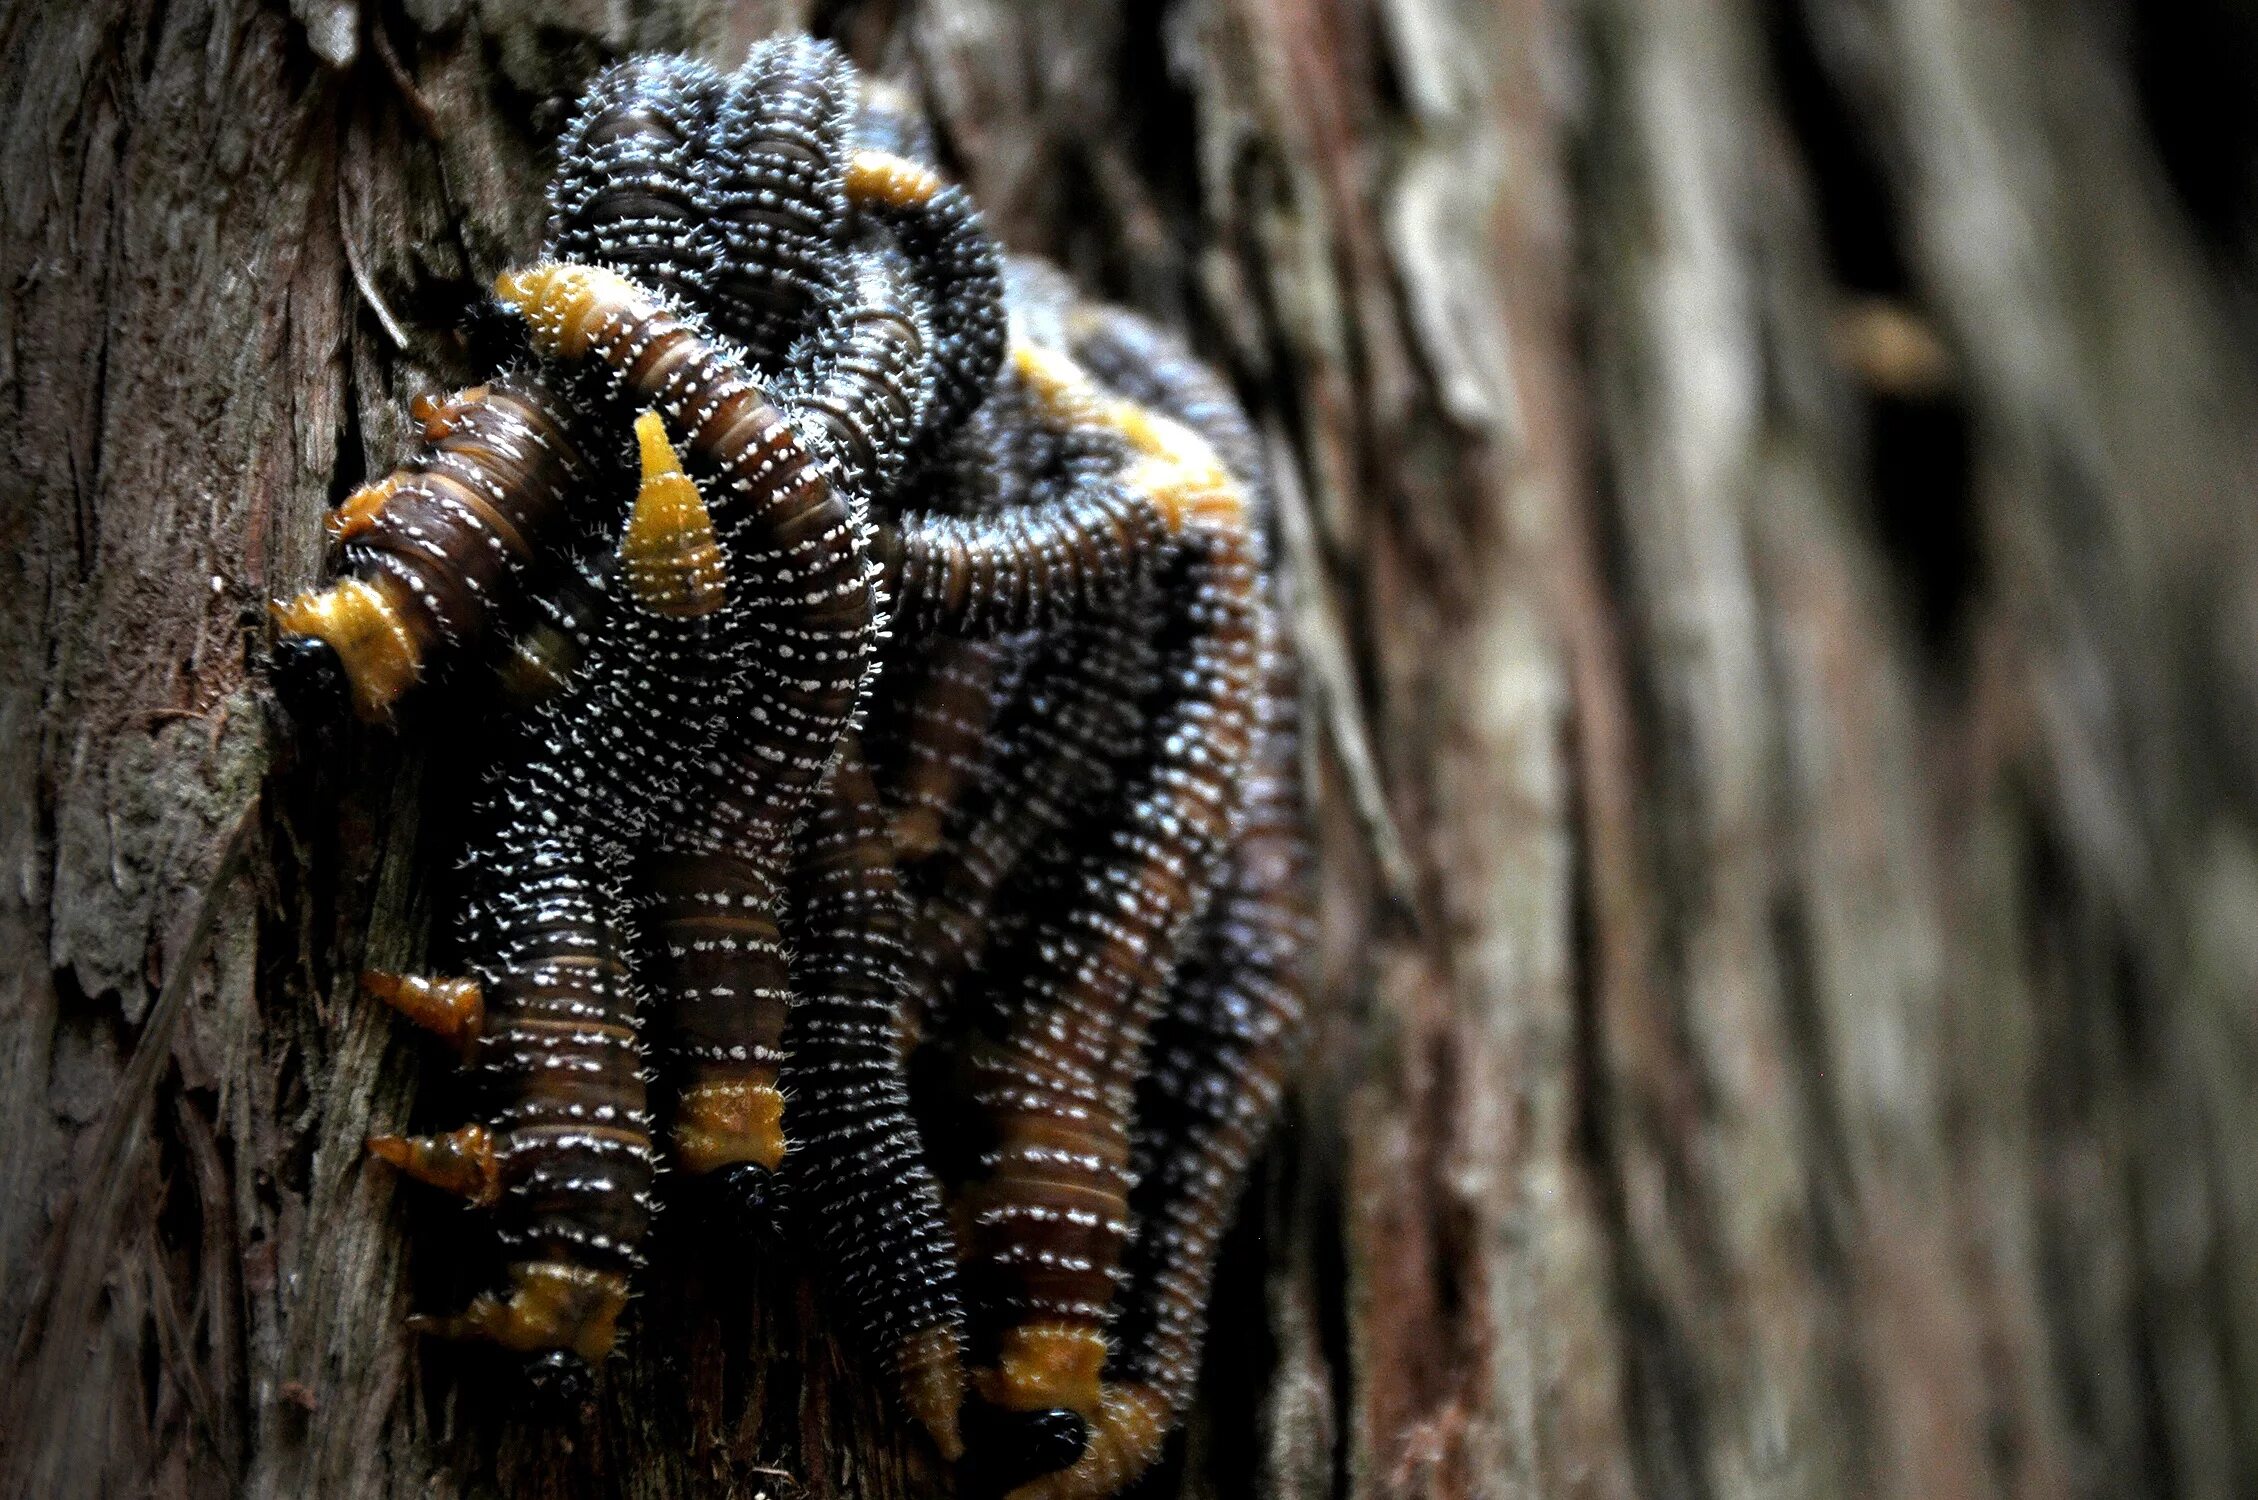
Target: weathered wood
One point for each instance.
(1790, 875)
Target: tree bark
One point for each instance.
(1765, 500)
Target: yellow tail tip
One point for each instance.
(563, 303)
(672, 560)
(660, 461)
(393, 1149)
(549, 1305)
(378, 651)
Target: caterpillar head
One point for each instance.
(1006, 1449)
(557, 1385)
(743, 1199)
(309, 680)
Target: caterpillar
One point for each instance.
(858, 1179)
(547, 1017)
(1076, 551)
(940, 728)
(713, 881)
(778, 196)
(860, 384)
(1065, 737)
(947, 723)
(1054, 1081)
(440, 553)
(803, 642)
(960, 272)
(713, 876)
(1086, 697)
(1233, 1022)
(1217, 1064)
(633, 185)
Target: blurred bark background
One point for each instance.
(1770, 510)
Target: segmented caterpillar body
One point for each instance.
(858, 1175)
(442, 553)
(1217, 1065)
(1224, 1045)
(548, 1019)
(801, 640)
(801, 616)
(960, 272)
(1048, 1214)
(1063, 741)
(633, 189)
(1080, 544)
(713, 899)
(778, 196)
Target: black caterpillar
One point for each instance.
(549, 1017)
(1016, 538)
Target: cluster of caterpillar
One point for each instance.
(902, 776)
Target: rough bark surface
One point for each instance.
(1767, 500)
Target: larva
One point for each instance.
(1083, 545)
(801, 640)
(1055, 1082)
(933, 734)
(1064, 738)
(447, 549)
(1217, 1065)
(547, 1018)
(860, 384)
(960, 272)
(438, 553)
(633, 185)
(711, 910)
(858, 1178)
(1232, 1026)
(947, 717)
(778, 199)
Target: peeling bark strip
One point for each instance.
(1790, 858)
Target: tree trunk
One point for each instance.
(1766, 500)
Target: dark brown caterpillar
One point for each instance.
(1077, 551)
(548, 1018)
(857, 1179)
(777, 159)
(1218, 1062)
(712, 881)
(1055, 1081)
(1080, 711)
(442, 552)
(935, 733)
(959, 268)
(947, 724)
(1222, 1047)
(1064, 739)
(633, 188)
(803, 641)
(1233, 1023)
(860, 384)
(858, 393)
